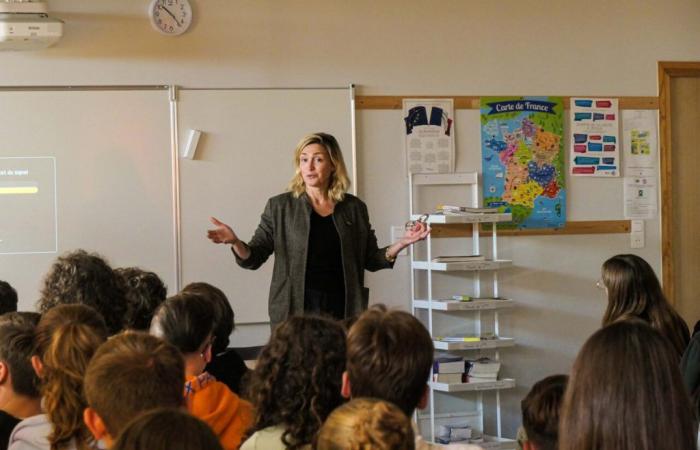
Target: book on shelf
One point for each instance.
(449, 364)
(450, 378)
(483, 368)
(467, 298)
(458, 338)
(459, 258)
(444, 434)
(457, 210)
(480, 379)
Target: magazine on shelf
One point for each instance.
(451, 209)
(459, 258)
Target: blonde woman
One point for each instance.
(366, 423)
(321, 237)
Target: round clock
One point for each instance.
(171, 17)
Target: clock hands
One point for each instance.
(171, 14)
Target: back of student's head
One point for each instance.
(8, 298)
(24, 318)
(541, 408)
(167, 429)
(634, 291)
(131, 373)
(144, 292)
(223, 313)
(366, 423)
(390, 354)
(16, 349)
(625, 393)
(85, 278)
(297, 379)
(184, 320)
(66, 338)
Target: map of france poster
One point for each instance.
(522, 151)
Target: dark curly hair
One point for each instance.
(145, 291)
(85, 278)
(297, 380)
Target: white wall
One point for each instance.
(597, 47)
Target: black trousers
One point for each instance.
(325, 303)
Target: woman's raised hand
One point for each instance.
(222, 234)
(418, 232)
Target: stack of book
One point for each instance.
(464, 210)
(482, 369)
(455, 369)
(450, 369)
(446, 434)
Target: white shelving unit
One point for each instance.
(423, 269)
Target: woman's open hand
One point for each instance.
(418, 232)
(222, 234)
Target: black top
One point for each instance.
(229, 368)
(7, 424)
(324, 263)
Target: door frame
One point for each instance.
(668, 70)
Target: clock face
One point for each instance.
(171, 17)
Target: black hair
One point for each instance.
(185, 320)
(8, 298)
(223, 313)
(144, 292)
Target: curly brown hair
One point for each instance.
(65, 340)
(85, 278)
(296, 383)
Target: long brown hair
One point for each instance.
(65, 340)
(626, 393)
(635, 292)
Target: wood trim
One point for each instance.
(473, 102)
(581, 227)
(666, 71)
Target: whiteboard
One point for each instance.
(244, 157)
(100, 164)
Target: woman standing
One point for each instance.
(321, 238)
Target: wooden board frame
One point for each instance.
(667, 71)
(393, 102)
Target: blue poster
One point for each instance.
(522, 152)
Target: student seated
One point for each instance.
(144, 292)
(167, 429)
(625, 393)
(540, 409)
(296, 382)
(634, 292)
(131, 373)
(65, 340)
(19, 396)
(186, 321)
(8, 298)
(86, 279)
(366, 423)
(390, 354)
(226, 365)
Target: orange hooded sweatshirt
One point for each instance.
(228, 415)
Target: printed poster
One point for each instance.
(595, 149)
(429, 135)
(523, 159)
(640, 197)
(640, 143)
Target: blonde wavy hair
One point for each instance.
(364, 424)
(65, 340)
(339, 182)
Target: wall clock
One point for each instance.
(170, 17)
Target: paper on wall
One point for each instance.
(429, 135)
(640, 197)
(640, 143)
(595, 149)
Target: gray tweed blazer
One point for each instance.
(284, 230)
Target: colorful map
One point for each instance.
(523, 159)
